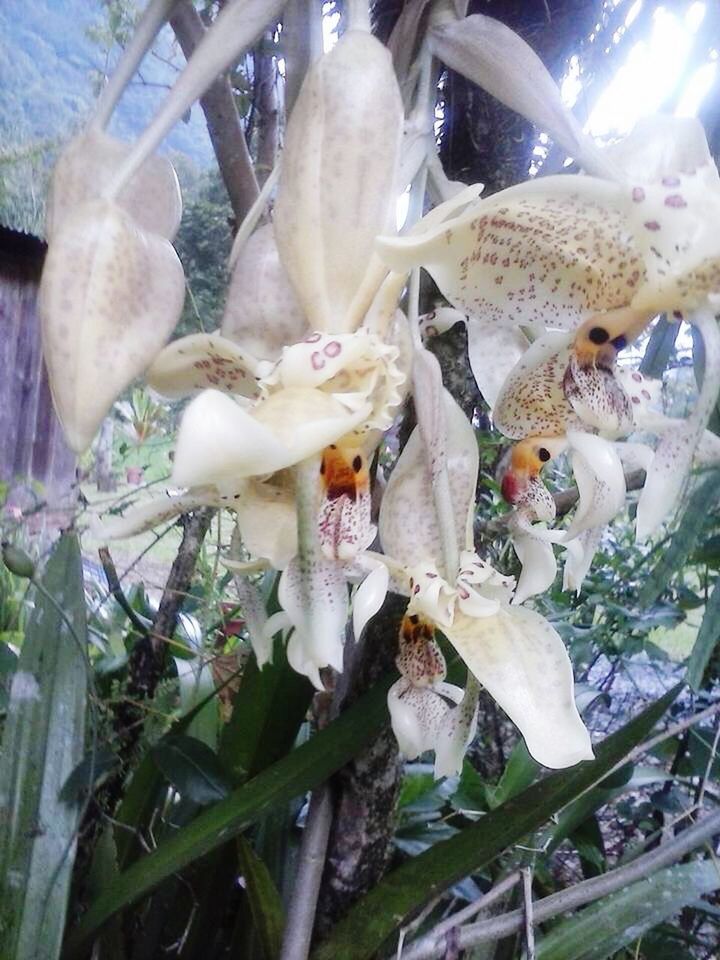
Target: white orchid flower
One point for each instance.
(513, 652)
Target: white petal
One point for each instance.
(312, 592)
(597, 398)
(416, 714)
(550, 252)
(267, 522)
(439, 321)
(220, 440)
(601, 481)
(660, 146)
(676, 449)
(369, 598)
(205, 361)
(522, 662)
(408, 524)
(579, 558)
(260, 630)
(531, 401)
(493, 351)
(539, 566)
(493, 56)
(262, 313)
(110, 296)
(88, 164)
(144, 515)
(345, 129)
(456, 733)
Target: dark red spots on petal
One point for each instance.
(675, 200)
(638, 194)
(651, 225)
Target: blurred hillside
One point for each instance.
(53, 54)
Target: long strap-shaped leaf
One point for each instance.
(298, 772)
(42, 744)
(404, 891)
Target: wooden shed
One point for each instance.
(32, 447)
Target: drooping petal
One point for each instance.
(531, 401)
(145, 515)
(456, 733)
(262, 313)
(220, 440)
(543, 254)
(522, 662)
(256, 619)
(601, 481)
(110, 296)
(493, 351)
(345, 129)
(369, 597)
(205, 361)
(416, 715)
(408, 524)
(579, 557)
(313, 594)
(88, 164)
(493, 56)
(539, 565)
(674, 454)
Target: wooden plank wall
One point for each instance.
(31, 439)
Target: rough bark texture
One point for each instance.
(104, 476)
(360, 844)
(267, 107)
(222, 118)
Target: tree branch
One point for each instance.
(222, 118)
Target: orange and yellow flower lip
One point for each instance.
(527, 459)
(344, 472)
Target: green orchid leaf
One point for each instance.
(707, 638)
(407, 889)
(192, 768)
(604, 928)
(42, 745)
(294, 775)
(265, 904)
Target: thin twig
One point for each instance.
(462, 916)
(301, 913)
(116, 590)
(528, 912)
(708, 768)
(577, 896)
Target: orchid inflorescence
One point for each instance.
(291, 398)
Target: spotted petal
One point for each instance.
(219, 440)
(345, 129)
(205, 361)
(408, 524)
(262, 313)
(523, 664)
(531, 401)
(148, 514)
(545, 253)
(110, 296)
(313, 594)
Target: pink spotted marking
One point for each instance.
(332, 349)
(676, 201)
(317, 360)
(637, 377)
(638, 194)
(671, 181)
(313, 338)
(652, 224)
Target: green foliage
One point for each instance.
(42, 744)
